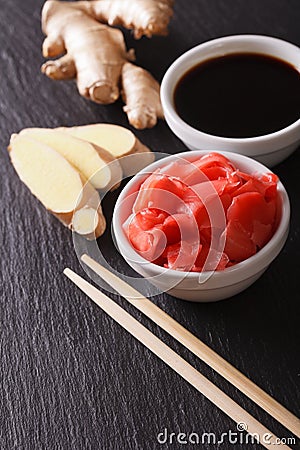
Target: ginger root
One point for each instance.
(58, 186)
(96, 54)
(142, 110)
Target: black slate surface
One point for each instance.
(70, 377)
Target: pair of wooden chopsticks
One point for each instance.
(182, 367)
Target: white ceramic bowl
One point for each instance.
(269, 149)
(209, 286)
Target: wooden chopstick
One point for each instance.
(192, 343)
(176, 362)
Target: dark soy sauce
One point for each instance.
(239, 95)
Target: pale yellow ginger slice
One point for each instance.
(85, 221)
(118, 141)
(93, 162)
(57, 184)
(49, 176)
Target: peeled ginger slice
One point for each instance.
(120, 142)
(49, 176)
(93, 162)
(117, 140)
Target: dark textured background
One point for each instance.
(70, 377)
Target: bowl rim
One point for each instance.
(167, 84)
(267, 253)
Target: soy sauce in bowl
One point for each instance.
(239, 95)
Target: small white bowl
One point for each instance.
(269, 149)
(208, 286)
